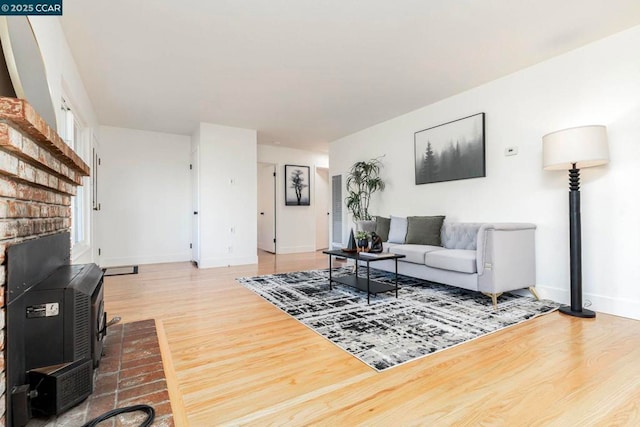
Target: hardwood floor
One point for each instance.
(239, 360)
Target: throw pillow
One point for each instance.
(382, 227)
(397, 229)
(424, 230)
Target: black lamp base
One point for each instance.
(584, 313)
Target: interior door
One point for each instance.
(195, 203)
(96, 237)
(336, 212)
(322, 208)
(266, 207)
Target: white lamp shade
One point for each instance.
(585, 146)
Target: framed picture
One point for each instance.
(451, 151)
(296, 185)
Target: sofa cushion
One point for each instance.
(413, 253)
(382, 227)
(461, 260)
(397, 229)
(424, 230)
(460, 235)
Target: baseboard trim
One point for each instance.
(604, 304)
(227, 262)
(295, 249)
(153, 259)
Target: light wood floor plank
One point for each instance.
(238, 360)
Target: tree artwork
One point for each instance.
(451, 151)
(430, 168)
(297, 183)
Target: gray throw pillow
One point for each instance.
(424, 230)
(382, 227)
(397, 229)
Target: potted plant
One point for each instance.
(363, 180)
(362, 239)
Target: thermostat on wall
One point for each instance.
(511, 151)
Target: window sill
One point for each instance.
(80, 250)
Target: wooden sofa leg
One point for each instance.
(533, 291)
(494, 298)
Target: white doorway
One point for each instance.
(322, 208)
(267, 207)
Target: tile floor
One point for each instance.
(130, 373)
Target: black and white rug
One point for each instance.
(425, 318)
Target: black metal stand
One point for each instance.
(368, 285)
(575, 249)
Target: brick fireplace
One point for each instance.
(39, 174)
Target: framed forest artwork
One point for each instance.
(296, 185)
(451, 151)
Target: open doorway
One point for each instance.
(322, 208)
(267, 207)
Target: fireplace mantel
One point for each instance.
(20, 113)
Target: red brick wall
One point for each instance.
(38, 175)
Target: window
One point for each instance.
(74, 135)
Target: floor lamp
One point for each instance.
(573, 149)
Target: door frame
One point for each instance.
(274, 167)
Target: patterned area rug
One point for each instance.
(425, 318)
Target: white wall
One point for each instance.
(61, 69)
(296, 225)
(228, 195)
(597, 84)
(144, 187)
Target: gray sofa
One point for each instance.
(491, 258)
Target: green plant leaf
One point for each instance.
(362, 181)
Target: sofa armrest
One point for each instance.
(505, 256)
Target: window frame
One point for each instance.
(81, 143)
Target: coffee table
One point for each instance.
(372, 287)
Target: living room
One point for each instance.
(235, 358)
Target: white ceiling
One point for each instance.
(306, 72)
